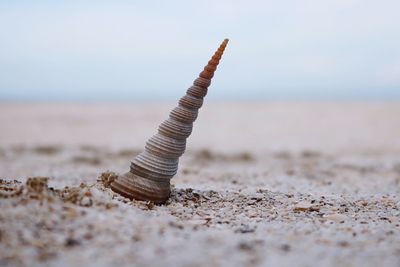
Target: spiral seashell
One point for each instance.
(151, 171)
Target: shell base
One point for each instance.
(133, 186)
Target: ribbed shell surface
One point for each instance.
(152, 170)
(175, 129)
(164, 146)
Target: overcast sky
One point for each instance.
(135, 50)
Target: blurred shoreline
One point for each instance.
(225, 126)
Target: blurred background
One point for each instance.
(145, 50)
(296, 75)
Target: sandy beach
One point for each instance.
(261, 184)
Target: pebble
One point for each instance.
(336, 217)
(86, 201)
(303, 206)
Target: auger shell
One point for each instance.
(151, 171)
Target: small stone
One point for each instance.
(244, 229)
(336, 217)
(285, 247)
(343, 244)
(150, 205)
(71, 242)
(175, 225)
(302, 206)
(196, 222)
(253, 215)
(245, 246)
(86, 201)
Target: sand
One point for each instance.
(262, 183)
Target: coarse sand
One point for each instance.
(261, 184)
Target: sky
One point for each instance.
(153, 50)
